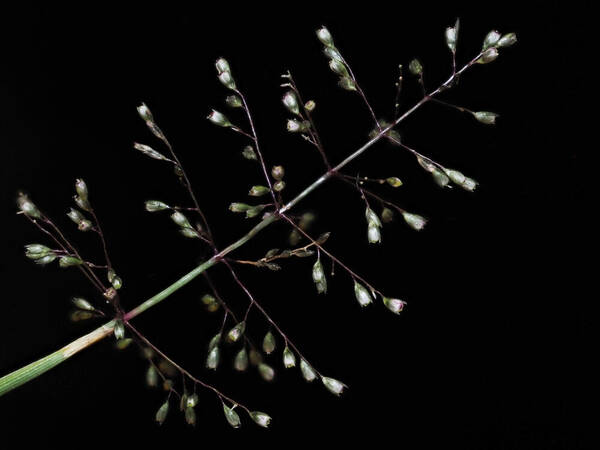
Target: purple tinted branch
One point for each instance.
(182, 370)
(333, 258)
(254, 138)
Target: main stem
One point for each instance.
(37, 368)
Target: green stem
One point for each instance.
(35, 369)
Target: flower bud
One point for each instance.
(394, 181)
(394, 305)
(455, 176)
(151, 376)
(387, 215)
(191, 400)
(78, 315)
(82, 203)
(189, 233)
(45, 259)
(190, 416)
(219, 119)
(85, 225)
(222, 66)
(155, 130)
(214, 341)
(310, 105)
(240, 363)
(451, 39)
(271, 253)
(452, 36)
(491, 39)
(145, 113)
(155, 205)
(82, 223)
(232, 417)
(277, 172)
(362, 294)
(266, 372)
(227, 80)
(161, 414)
(122, 344)
(81, 189)
(489, 118)
(338, 67)
(318, 275)
(291, 102)
(258, 191)
(75, 216)
(372, 217)
(308, 372)
(334, 386)
(294, 238)
(249, 153)
(507, 40)
(82, 304)
(114, 279)
(37, 251)
(300, 253)
(414, 221)
(119, 329)
(180, 219)
(212, 361)
(69, 261)
(440, 178)
(110, 293)
(268, 344)
(208, 299)
(182, 401)
(295, 126)
(426, 164)
(347, 84)
(260, 418)
(469, 184)
(149, 151)
(373, 234)
(279, 186)
(488, 56)
(239, 207)
(236, 332)
(254, 211)
(306, 220)
(233, 101)
(211, 303)
(415, 67)
(255, 357)
(27, 206)
(289, 360)
(325, 36)
(332, 53)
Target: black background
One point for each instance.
(485, 355)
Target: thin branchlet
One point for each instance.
(61, 241)
(353, 274)
(305, 114)
(254, 138)
(184, 372)
(253, 302)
